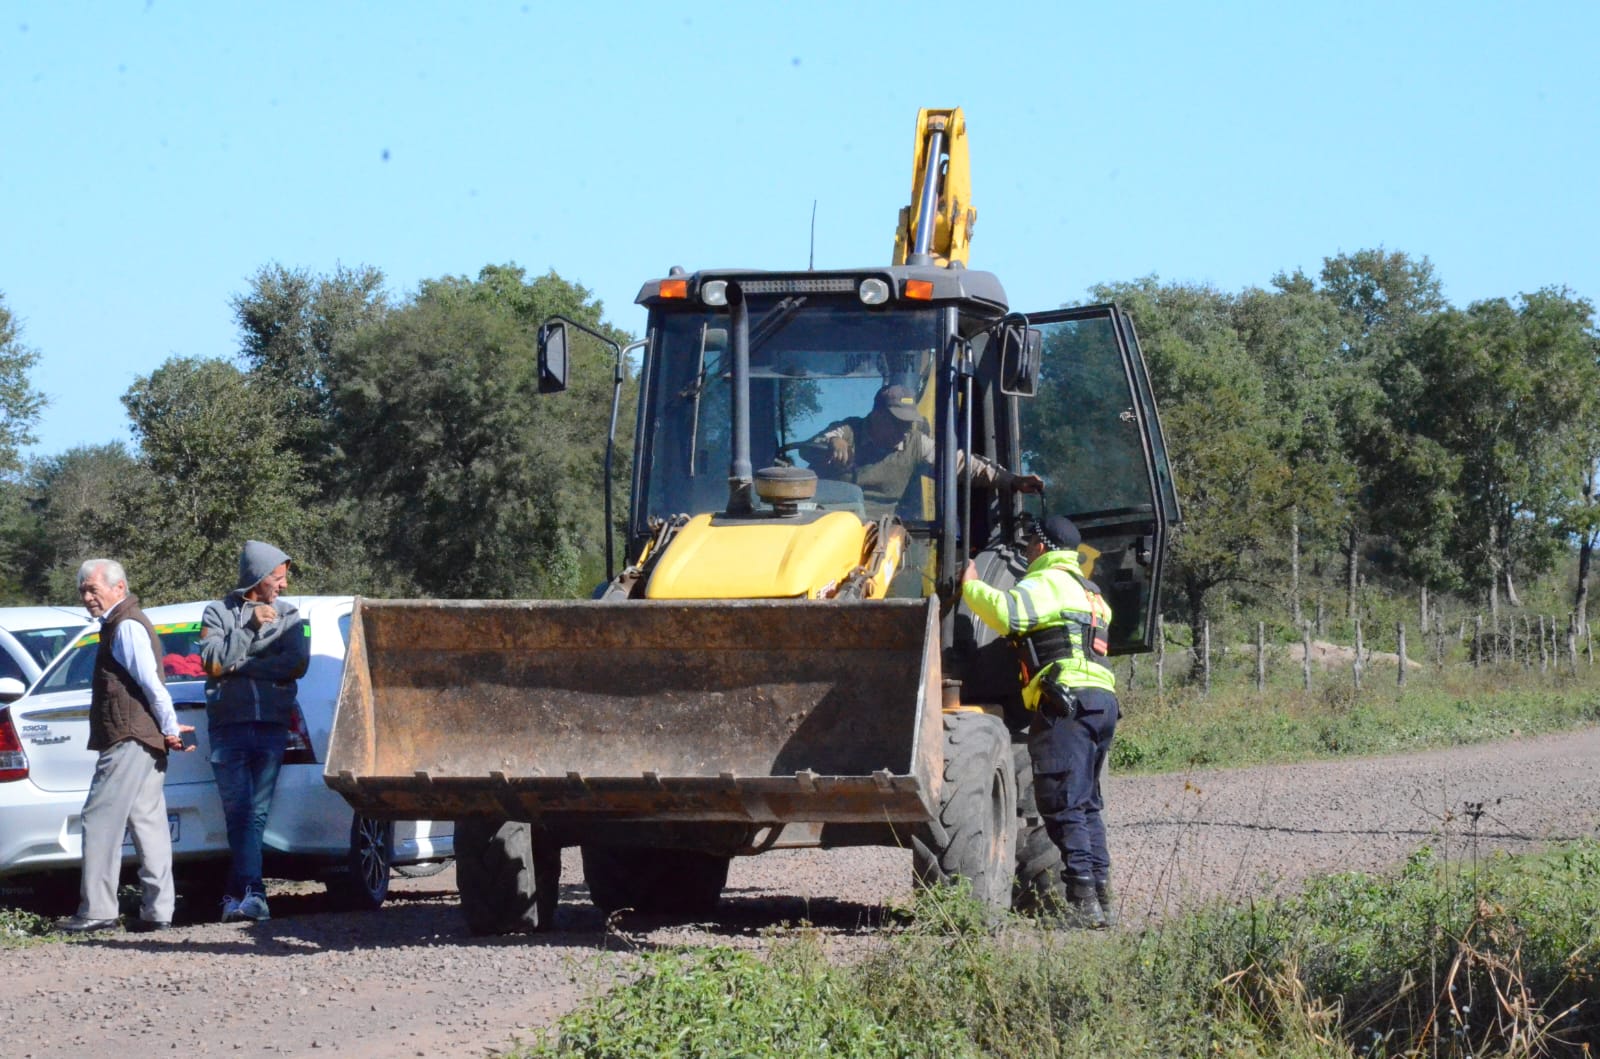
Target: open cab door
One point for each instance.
(1091, 431)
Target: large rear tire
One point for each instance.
(674, 882)
(509, 880)
(974, 836)
(1038, 862)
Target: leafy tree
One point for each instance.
(66, 498)
(217, 470)
(1383, 296)
(470, 482)
(1235, 486)
(289, 323)
(20, 404)
(1507, 390)
(1295, 338)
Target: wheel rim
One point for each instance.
(372, 854)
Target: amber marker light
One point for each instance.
(674, 288)
(920, 289)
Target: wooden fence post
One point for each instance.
(1355, 669)
(1477, 641)
(1305, 660)
(1544, 658)
(1572, 644)
(1261, 655)
(1161, 656)
(1205, 657)
(1401, 650)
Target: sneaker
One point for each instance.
(230, 909)
(254, 906)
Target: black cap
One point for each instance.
(1059, 534)
(898, 402)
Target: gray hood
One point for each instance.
(257, 560)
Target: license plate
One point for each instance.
(172, 829)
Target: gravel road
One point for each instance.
(409, 980)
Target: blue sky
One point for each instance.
(157, 154)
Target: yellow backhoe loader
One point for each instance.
(783, 661)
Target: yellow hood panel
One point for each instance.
(758, 559)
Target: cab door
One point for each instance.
(1092, 432)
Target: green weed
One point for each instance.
(1450, 959)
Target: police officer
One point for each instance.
(1059, 622)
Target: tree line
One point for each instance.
(1347, 428)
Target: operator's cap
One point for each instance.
(899, 401)
(1059, 533)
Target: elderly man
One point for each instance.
(254, 649)
(133, 726)
(883, 450)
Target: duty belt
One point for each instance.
(1038, 649)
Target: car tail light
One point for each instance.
(13, 762)
(299, 750)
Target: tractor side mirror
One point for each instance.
(1021, 352)
(553, 356)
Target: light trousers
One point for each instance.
(127, 794)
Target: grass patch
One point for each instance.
(1236, 726)
(19, 928)
(1436, 959)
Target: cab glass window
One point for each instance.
(812, 366)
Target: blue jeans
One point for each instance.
(246, 759)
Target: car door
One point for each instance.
(1092, 432)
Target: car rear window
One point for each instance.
(180, 659)
(45, 644)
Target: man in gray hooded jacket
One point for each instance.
(254, 647)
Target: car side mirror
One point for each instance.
(11, 689)
(553, 357)
(1021, 352)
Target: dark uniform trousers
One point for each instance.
(1068, 754)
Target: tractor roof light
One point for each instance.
(674, 288)
(714, 292)
(873, 291)
(920, 289)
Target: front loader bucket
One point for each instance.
(562, 713)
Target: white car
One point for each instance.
(312, 833)
(29, 638)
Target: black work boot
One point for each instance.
(1107, 899)
(1082, 909)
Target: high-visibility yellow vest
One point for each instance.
(1053, 594)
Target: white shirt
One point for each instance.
(132, 649)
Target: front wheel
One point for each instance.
(974, 836)
(674, 882)
(364, 882)
(508, 877)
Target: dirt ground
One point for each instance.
(409, 980)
